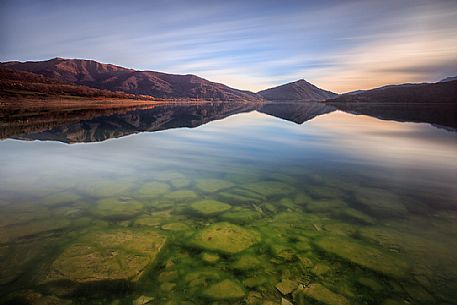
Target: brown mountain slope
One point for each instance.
(17, 84)
(105, 76)
(300, 90)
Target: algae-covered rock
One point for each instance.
(153, 220)
(209, 207)
(248, 262)
(108, 188)
(212, 185)
(176, 226)
(60, 198)
(321, 269)
(117, 208)
(381, 202)
(29, 229)
(210, 258)
(326, 205)
(269, 188)
(226, 238)
(370, 283)
(143, 300)
(180, 182)
(364, 255)
(240, 216)
(168, 175)
(286, 286)
(225, 290)
(153, 189)
(324, 295)
(181, 195)
(356, 215)
(240, 195)
(256, 281)
(107, 255)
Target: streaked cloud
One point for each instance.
(338, 45)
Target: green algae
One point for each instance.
(209, 207)
(224, 290)
(117, 254)
(367, 256)
(117, 208)
(153, 189)
(225, 238)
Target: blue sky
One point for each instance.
(337, 45)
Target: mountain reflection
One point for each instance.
(99, 125)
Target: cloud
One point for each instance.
(340, 46)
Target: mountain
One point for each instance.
(434, 103)
(20, 84)
(448, 79)
(441, 92)
(115, 78)
(300, 90)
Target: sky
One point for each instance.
(337, 45)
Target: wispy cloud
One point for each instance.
(339, 45)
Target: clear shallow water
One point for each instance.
(250, 209)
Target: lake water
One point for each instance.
(248, 208)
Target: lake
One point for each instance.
(227, 205)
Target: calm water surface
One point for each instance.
(250, 209)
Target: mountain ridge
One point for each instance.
(300, 90)
(116, 78)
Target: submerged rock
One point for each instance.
(107, 188)
(210, 207)
(226, 238)
(381, 202)
(210, 258)
(60, 198)
(247, 262)
(117, 208)
(364, 255)
(225, 290)
(177, 226)
(212, 185)
(240, 195)
(181, 195)
(153, 189)
(269, 188)
(241, 216)
(324, 295)
(116, 254)
(286, 286)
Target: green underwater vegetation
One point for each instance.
(227, 238)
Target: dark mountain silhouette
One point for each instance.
(434, 103)
(114, 78)
(449, 79)
(300, 90)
